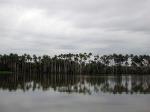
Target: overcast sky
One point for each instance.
(62, 26)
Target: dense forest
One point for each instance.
(82, 63)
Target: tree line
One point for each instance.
(82, 63)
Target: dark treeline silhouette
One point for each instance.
(138, 84)
(82, 63)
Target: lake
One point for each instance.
(69, 93)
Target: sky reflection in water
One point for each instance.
(43, 93)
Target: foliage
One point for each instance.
(82, 63)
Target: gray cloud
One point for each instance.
(62, 26)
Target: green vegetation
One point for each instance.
(5, 72)
(82, 63)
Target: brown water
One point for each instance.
(44, 93)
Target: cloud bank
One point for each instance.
(62, 26)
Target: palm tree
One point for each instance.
(29, 59)
(82, 63)
(126, 62)
(35, 63)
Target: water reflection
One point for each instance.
(76, 84)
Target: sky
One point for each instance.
(63, 26)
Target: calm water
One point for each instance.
(47, 93)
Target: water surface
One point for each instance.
(67, 93)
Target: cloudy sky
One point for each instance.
(62, 26)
